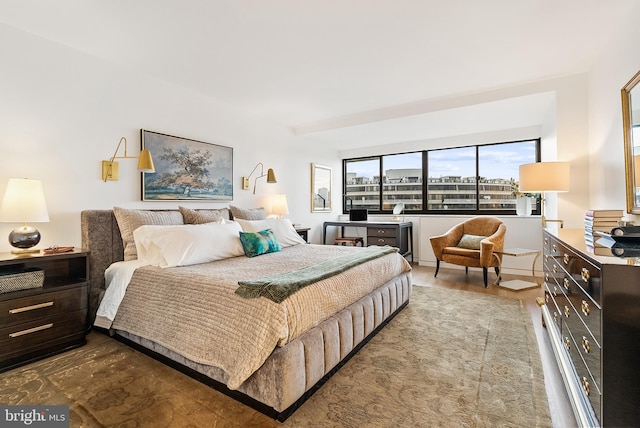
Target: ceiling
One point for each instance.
(312, 65)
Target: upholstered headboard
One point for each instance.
(102, 238)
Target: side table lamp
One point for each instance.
(24, 202)
(279, 207)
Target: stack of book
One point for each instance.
(597, 222)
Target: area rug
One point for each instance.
(450, 358)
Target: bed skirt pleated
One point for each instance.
(292, 373)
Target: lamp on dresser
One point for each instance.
(541, 177)
(24, 202)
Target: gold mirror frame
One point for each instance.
(631, 156)
(320, 188)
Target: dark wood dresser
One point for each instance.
(592, 315)
(40, 321)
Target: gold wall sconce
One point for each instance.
(110, 167)
(271, 177)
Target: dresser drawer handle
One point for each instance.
(546, 257)
(546, 241)
(567, 342)
(30, 308)
(586, 345)
(546, 276)
(554, 248)
(381, 231)
(565, 258)
(585, 274)
(555, 317)
(381, 240)
(565, 281)
(585, 385)
(30, 330)
(585, 308)
(555, 291)
(546, 297)
(567, 311)
(555, 269)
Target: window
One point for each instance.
(362, 184)
(471, 179)
(452, 179)
(402, 181)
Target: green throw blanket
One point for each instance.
(279, 287)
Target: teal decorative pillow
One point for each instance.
(470, 242)
(257, 243)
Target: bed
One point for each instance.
(293, 357)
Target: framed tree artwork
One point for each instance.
(186, 170)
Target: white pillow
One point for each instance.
(283, 230)
(169, 246)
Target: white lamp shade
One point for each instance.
(544, 177)
(279, 206)
(24, 202)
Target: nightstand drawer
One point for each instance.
(382, 240)
(17, 311)
(42, 333)
(381, 231)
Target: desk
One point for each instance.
(518, 284)
(393, 233)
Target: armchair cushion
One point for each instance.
(470, 242)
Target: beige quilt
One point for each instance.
(193, 310)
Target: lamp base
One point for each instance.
(25, 251)
(23, 238)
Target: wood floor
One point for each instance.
(560, 407)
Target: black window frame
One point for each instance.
(425, 178)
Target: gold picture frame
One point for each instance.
(321, 177)
(631, 127)
(186, 170)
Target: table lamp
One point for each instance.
(279, 207)
(24, 202)
(541, 177)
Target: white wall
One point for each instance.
(63, 111)
(613, 69)
(564, 137)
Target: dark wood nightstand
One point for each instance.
(304, 233)
(38, 322)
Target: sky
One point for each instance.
(496, 161)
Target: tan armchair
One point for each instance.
(483, 236)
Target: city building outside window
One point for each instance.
(478, 179)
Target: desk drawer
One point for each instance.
(382, 231)
(381, 240)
